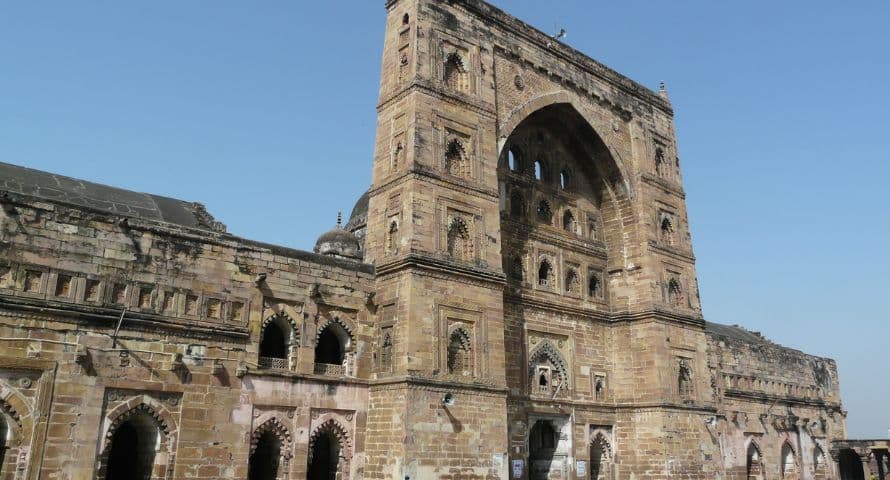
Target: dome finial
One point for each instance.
(662, 90)
(339, 218)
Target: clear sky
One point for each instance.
(265, 112)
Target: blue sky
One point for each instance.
(265, 112)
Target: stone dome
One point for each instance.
(359, 217)
(338, 242)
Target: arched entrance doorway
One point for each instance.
(131, 453)
(542, 441)
(600, 458)
(753, 464)
(324, 458)
(850, 465)
(265, 459)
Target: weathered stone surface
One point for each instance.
(524, 298)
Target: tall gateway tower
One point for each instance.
(534, 266)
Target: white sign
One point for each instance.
(581, 467)
(517, 468)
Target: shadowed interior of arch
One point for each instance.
(541, 448)
(265, 458)
(331, 346)
(131, 454)
(324, 461)
(274, 343)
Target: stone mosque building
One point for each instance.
(514, 297)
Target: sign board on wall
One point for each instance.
(581, 468)
(517, 468)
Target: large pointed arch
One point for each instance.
(149, 415)
(600, 176)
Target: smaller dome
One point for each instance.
(338, 242)
(359, 215)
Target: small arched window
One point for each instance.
(397, 155)
(661, 166)
(667, 231)
(568, 222)
(594, 289)
(539, 170)
(564, 179)
(573, 284)
(675, 291)
(459, 242)
(456, 161)
(386, 351)
(684, 378)
(456, 76)
(514, 160)
(406, 19)
(545, 274)
(459, 353)
(517, 206)
(392, 237)
(545, 213)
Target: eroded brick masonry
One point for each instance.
(514, 297)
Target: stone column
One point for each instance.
(866, 468)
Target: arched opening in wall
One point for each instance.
(573, 283)
(133, 447)
(539, 170)
(542, 441)
(789, 462)
(819, 464)
(545, 213)
(517, 206)
(456, 161)
(850, 465)
(600, 459)
(675, 292)
(594, 290)
(456, 76)
(459, 245)
(330, 350)
(266, 457)
(667, 231)
(392, 237)
(406, 19)
(593, 179)
(460, 353)
(516, 270)
(514, 160)
(545, 274)
(275, 343)
(754, 468)
(324, 457)
(568, 222)
(661, 166)
(386, 351)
